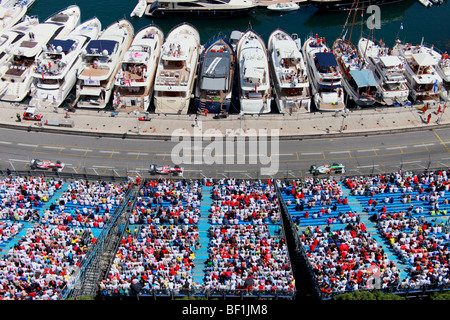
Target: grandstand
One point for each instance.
(170, 238)
(343, 240)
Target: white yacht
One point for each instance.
(101, 62)
(284, 7)
(288, 73)
(323, 74)
(235, 35)
(16, 79)
(9, 38)
(253, 74)
(134, 80)
(200, 8)
(388, 70)
(425, 84)
(57, 65)
(139, 9)
(358, 80)
(10, 16)
(177, 66)
(443, 70)
(215, 78)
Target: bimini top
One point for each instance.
(62, 45)
(98, 47)
(215, 73)
(326, 59)
(424, 59)
(390, 61)
(363, 78)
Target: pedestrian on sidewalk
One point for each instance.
(18, 117)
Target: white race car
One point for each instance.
(46, 165)
(327, 169)
(176, 170)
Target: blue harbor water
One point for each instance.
(408, 21)
(418, 21)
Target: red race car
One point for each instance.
(176, 170)
(46, 165)
(30, 114)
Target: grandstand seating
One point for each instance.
(219, 238)
(317, 202)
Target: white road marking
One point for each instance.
(394, 148)
(27, 145)
(82, 150)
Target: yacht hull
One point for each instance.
(201, 13)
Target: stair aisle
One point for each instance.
(201, 254)
(371, 227)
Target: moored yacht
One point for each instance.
(10, 16)
(9, 38)
(358, 80)
(388, 70)
(56, 67)
(134, 80)
(215, 77)
(177, 67)
(288, 73)
(425, 84)
(16, 79)
(443, 70)
(235, 35)
(200, 8)
(323, 74)
(101, 62)
(253, 74)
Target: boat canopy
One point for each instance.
(363, 78)
(216, 67)
(326, 59)
(98, 46)
(254, 73)
(62, 45)
(390, 61)
(216, 84)
(136, 56)
(287, 51)
(424, 59)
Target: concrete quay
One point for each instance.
(352, 122)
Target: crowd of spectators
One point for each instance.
(21, 197)
(168, 202)
(41, 263)
(347, 259)
(402, 193)
(247, 257)
(423, 245)
(157, 257)
(244, 201)
(85, 204)
(317, 198)
(8, 229)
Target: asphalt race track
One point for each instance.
(113, 156)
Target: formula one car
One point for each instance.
(327, 169)
(176, 170)
(46, 165)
